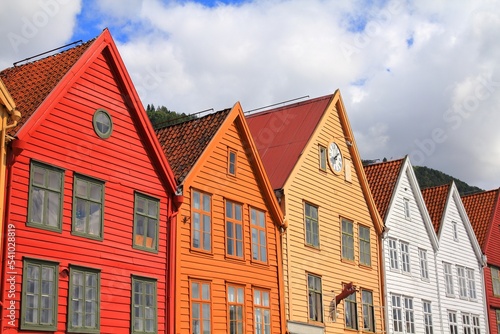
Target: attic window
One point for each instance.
(103, 125)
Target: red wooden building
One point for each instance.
(90, 201)
(483, 210)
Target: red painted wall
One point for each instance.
(493, 256)
(66, 139)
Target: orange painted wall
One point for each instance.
(211, 177)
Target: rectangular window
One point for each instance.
(455, 231)
(236, 303)
(495, 278)
(144, 309)
(231, 162)
(39, 295)
(312, 225)
(471, 283)
(259, 244)
(315, 298)
(393, 253)
(428, 318)
(405, 257)
(407, 208)
(364, 246)
(262, 311)
(146, 222)
(201, 228)
(475, 324)
(452, 319)
(424, 271)
(234, 229)
(84, 304)
(200, 307)
(462, 283)
(368, 311)
(466, 323)
(351, 311)
(322, 157)
(448, 278)
(347, 240)
(45, 197)
(88, 199)
(409, 315)
(397, 314)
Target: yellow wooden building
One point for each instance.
(332, 268)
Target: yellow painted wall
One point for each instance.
(335, 198)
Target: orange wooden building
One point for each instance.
(90, 200)
(228, 254)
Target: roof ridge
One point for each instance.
(196, 119)
(57, 54)
(291, 105)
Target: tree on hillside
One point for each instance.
(161, 116)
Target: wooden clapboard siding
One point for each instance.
(125, 163)
(210, 176)
(336, 198)
(462, 252)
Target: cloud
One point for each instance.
(402, 66)
(32, 27)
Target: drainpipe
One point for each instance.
(382, 270)
(172, 262)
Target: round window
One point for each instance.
(103, 126)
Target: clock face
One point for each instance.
(335, 157)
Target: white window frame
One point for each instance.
(448, 279)
(471, 283)
(427, 310)
(462, 282)
(393, 254)
(466, 323)
(455, 231)
(452, 320)
(409, 315)
(397, 314)
(476, 327)
(424, 269)
(406, 204)
(405, 257)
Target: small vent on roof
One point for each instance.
(46, 52)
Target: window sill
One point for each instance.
(312, 247)
(259, 263)
(201, 252)
(44, 227)
(234, 258)
(316, 323)
(365, 266)
(347, 261)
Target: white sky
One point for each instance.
(417, 77)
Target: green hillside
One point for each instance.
(428, 177)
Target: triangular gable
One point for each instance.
(384, 180)
(434, 196)
(281, 135)
(38, 86)
(481, 209)
(188, 143)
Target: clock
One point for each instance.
(335, 157)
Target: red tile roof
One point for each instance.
(382, 178)
(184, 143)
(480, 208)
(30, 84)
(435, 200)
(281, 134)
